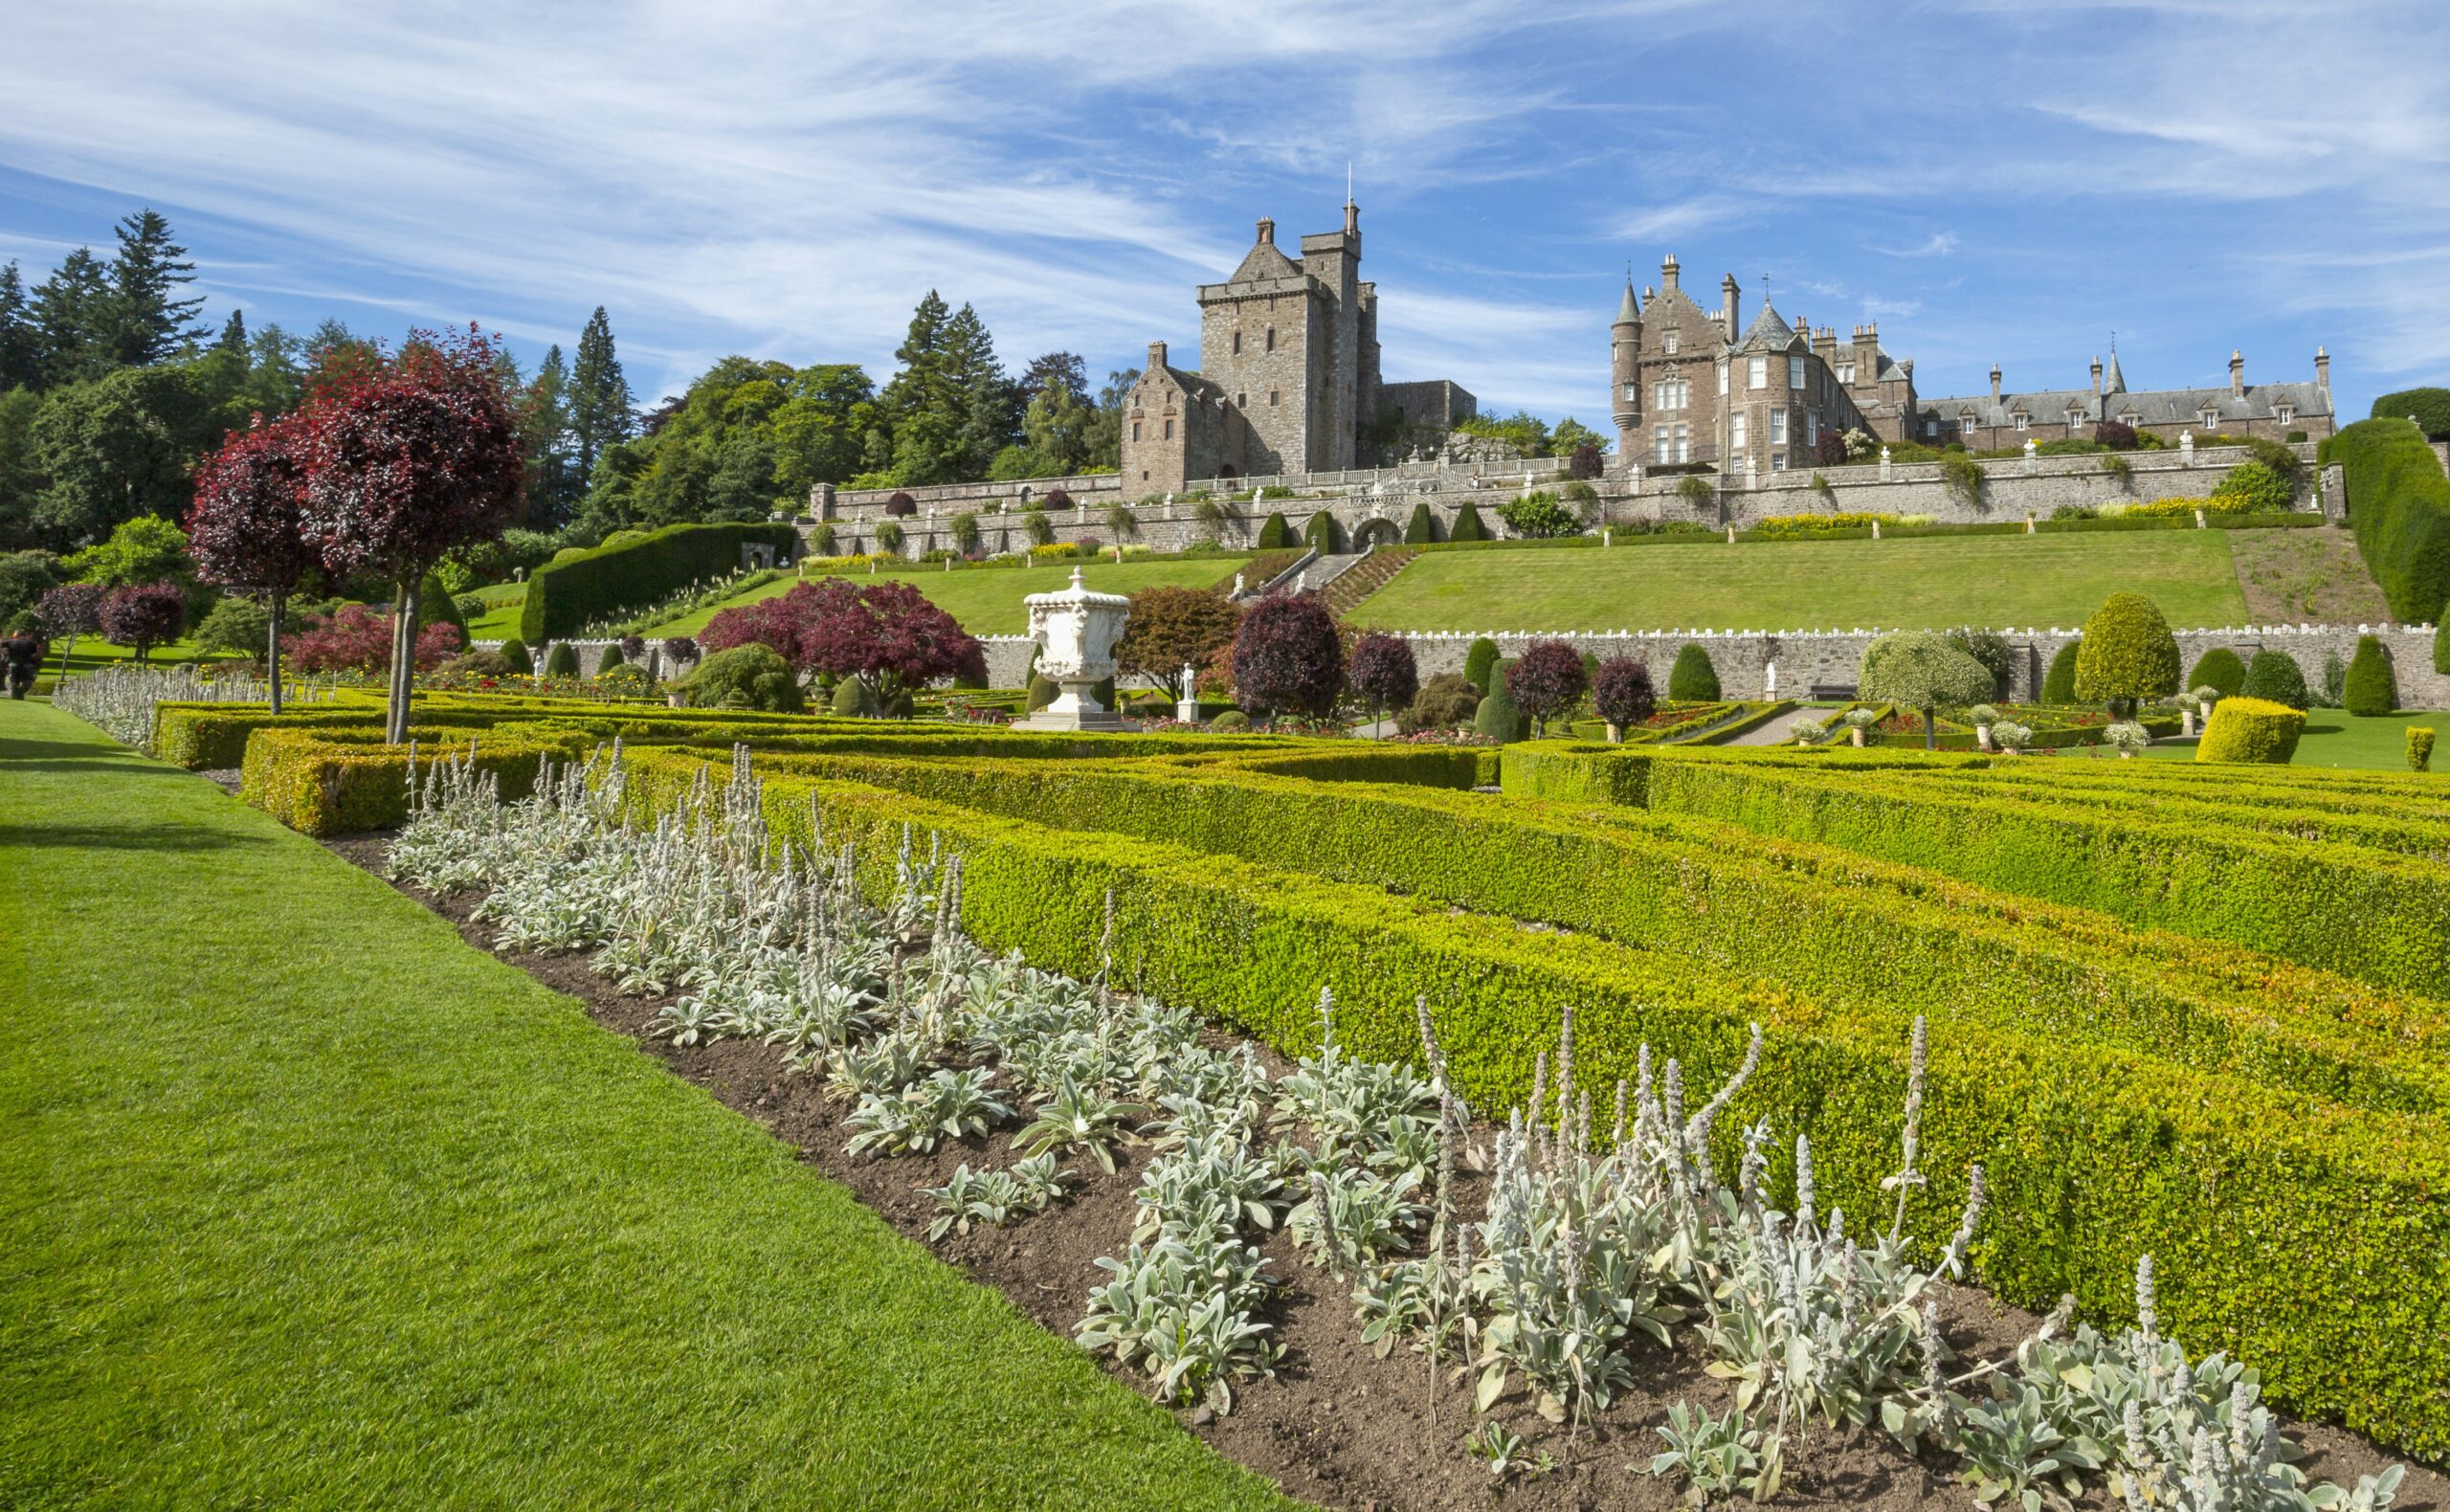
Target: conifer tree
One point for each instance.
(601, 407)
(234, 332)
(553, 479)
(71, 319)
(147, 322)
(20, 339)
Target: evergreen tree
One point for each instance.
(148, 323)
(1064, 368)
(988, 414)
(234, 332)
(922, 397)
(601, 407)
(20, 337)
(71, 319)
(553, 480)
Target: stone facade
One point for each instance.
(1289, 380)
(2273, 412)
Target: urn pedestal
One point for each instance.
(1076, 630)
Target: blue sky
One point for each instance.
(2005, 182)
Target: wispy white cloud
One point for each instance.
(1939, 244)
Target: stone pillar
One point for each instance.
(1884, 465)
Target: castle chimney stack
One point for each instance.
(2236, 373)
(1668, 273)
(1732, 307)
(1267, 232)
(1995, 383)
(2097, 375)
(1157, 353)
(1352, 218)
(2323, 366)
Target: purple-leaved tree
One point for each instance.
(1383, 672)
(1286, 658)
(1621, 691)
(244, 529)
(1546, 681)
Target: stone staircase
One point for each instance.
(1362, 575)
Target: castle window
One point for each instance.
(1812, 428)
(1633, 392)
(1170, 429)
(1683, 443)
(1722, 378)
(1135, 430)
(1659, 444)
(1241, 401)
(1757, 376)
(2022, 419)
(2211, 418)
(1846, 372)
(1795, 371)
(1965, 422)
(1271, 398)
(1237, 344)
(1671, 394)
(2075, 417)
(1779, 426)
(1271, 338)
(1735, 428)
(2286, 413)
(1667, 344)
(1778, 462)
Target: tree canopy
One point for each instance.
(1924, 670)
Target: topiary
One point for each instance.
(855, 700)
(1231, 720)
(2255, 488)
(1924, 670)
(2370, 688)
(2429, 408)
(563, 662)
(1275, 535)
(2128, 654)
(1480, 663)
(750, 676)
(2419, 748)
(2273, 677)
(610, 659)
(514, 656)
(623, 679)
(1496, 716)
(2252, 729)
(1043, 691)
(1444, 702)
(2059, 683)
(1422, 529)
(1467, 525)
(1693, 680)
(1323, 533)
(2218, 668)
(1621, 691)
(479, 664)
(900, 504)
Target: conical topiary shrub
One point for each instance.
(1422, 529)
(515, 654)
(2059, 683)
(1496, 716)
(610, 659)
(1480, 663)
(1323, 533)
(1467, 525)
(2275, 677)
(2370, 689)
(563, 662)
(1693, 680)
(1276, 535)
(2218, 668)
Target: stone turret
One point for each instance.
(1625, 374)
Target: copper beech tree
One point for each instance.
(244, 529)
(409, 456)
(888, 635)
(1172, 628)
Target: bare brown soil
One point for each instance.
(2293, 577)
(1336, 1425)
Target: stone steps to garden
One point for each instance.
(1366, 574)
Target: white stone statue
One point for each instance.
(1237, 586)
(1769, 678)
(2031, 451)
(1302, 581)
(1076, 630)
(1884, 465)
(1187, 706)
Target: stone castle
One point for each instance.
(1697, 389)
(1289, 380)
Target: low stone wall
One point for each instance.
(826, 502)
(1805, 659)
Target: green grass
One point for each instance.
(503, 604)
(307, 1203)
(2336, 738)
(1930, 583)
(987, 600)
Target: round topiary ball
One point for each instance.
(2218, 668)
(2275, 677)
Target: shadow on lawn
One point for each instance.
(116, 837)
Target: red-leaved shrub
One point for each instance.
(1286, 658)
(1546, 681)
(143, 616)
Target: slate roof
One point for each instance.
(1264, 261)
(1770, 332)
(2155, 407)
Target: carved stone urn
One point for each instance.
(1076, 631)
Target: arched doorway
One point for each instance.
(1377, 533)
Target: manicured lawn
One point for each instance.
(503, 604)
(987, 600)
(304, 1202)
(2335, 738)
(1931, 583)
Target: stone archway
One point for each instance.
(1228, 470)
(1379, 532)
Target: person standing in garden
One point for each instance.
(22, 654)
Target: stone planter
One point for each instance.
(1076, 631)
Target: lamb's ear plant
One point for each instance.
(1505, 1452)
(1719, 1458)
(1079, 1118)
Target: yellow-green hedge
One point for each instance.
(344, 781)
(2251, 730)
(2306, 1240)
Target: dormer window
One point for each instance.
(2211, 419)
(1965, 422)
(2075, 417)
(2286, 413)
(1846, 372)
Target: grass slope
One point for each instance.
(304, 1202)
(1931, 581)
(987, 600)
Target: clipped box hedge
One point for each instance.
(2308, 1241)
(2383, 917)
(2398, 504)
(2251, 730)
(1884, 934)
(346, 781)
(564, 597)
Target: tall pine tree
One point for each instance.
(601, 409)
(553, 480)
(20, 337)
(234, 332)
(71, 311)
(149, 321)
(989, 416)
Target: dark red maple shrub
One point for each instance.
(407, 457)
(143, 616)
(1383, 672)
(888, 635)
(1623, 692)
(1286, 658)
(244, 530)
(1546, 681)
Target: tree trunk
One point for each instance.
(404, 665)
(1930, 730)
(272, 648)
